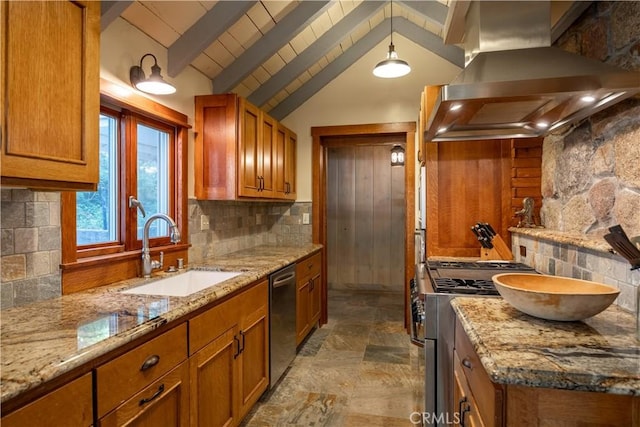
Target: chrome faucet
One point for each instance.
(147, 263)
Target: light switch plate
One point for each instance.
(305, 218)
(204, 222)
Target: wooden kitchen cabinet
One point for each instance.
(238, 151)
(285, 163)
(163, 402)
(69, 405)
(485, 403)
(308, 295)
(229, 363)
(50, 91)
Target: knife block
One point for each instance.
(500, 250)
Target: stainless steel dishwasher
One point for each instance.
(282, 325)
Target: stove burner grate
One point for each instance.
(470, 265)
(448, 285)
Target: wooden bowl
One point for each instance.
(553, 297)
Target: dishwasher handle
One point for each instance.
(283, 280)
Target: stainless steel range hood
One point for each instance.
(515, 85)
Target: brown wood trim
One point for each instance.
(125, 97)
(318, 162)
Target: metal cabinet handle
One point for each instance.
(463, 414)
(312, 284)
(242, 335)
(461, 402)
(155, 395)
(150, 362)
(467, 363)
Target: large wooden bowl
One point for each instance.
(554, 298)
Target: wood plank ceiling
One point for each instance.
(278, 54)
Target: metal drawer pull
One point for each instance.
(467, 363)
(150, 362)
(155, 395)
(237, 352)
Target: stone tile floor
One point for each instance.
(359, 369)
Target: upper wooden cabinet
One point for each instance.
(240, 151)
(50, 94)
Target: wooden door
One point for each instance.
(254, 358)
(249, 153)
(164, 402)
(290, 164)
(213, 373)
(50, 94)
(266, 154)
(467, 182)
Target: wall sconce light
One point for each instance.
(155, 84)
(397, 156)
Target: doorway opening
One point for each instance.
(330, 138)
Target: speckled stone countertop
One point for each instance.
(600, 354)
(41, 341)
(579, 240)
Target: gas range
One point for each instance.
(469, 277)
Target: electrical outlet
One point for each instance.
(204, 222)
(305, 218)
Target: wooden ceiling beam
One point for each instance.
(204, 32)
(315, 51)
(269, 44)
(110, 11)
(433, 11)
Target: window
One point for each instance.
(142, 156)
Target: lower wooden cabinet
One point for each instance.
(480, 402)
(229, 366)
(70, 405)
(308, 295)
(164, 402)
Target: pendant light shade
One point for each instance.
(393, 66)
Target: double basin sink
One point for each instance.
(183, 284)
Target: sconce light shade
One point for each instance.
(397, 156)
(391, 67)
(155, 84)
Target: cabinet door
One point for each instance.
(314, 300)
(266, 154)
(279, 178)
(466, 414)
(302, 310)
(213, 373)
(68, 405)
(249, 152)
(254, 358)
(290, 165)
(50, 89)
(164, 402)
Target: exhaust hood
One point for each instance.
(515, 85)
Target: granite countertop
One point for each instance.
(600, 354)
(41, 341)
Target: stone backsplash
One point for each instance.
(591, 173)
(562, 254)
(239, 225)
(31, 237)
(30, 246)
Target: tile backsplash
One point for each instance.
(31, 245)
(240, 225)
(31, 237)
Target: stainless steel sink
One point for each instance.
(183, 284)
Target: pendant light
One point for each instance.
(393, 66)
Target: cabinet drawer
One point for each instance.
(209, 325)
(124, 376)
(308, 267)
(488, 395)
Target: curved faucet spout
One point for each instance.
(147, 264)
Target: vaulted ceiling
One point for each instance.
(278, 54)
